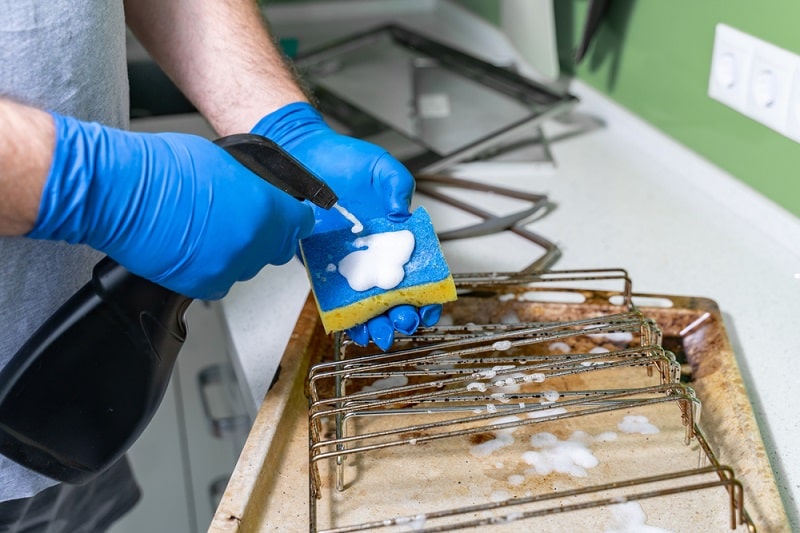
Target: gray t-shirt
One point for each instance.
(66, 56)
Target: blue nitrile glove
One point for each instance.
(370, 184)
(173, 208)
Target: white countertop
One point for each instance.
(626, 196)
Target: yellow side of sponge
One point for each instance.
(359, 312)
(426, 276)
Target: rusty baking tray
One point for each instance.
(663, 359)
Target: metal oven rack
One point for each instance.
(494, 373)
(588, 431)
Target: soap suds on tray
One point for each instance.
(571, 456)
(559, 347)
(492, 372)
(380, 263)
(500, 397)
(617, 337)
(516, 479)
(546, 412)
(499, 496)
(476, 386)
(606, 436)
(637, 424)
(415, 523)
(550, 396)
(500, 441)
(629, 517)
(594, 363)
(503, 438)
(386, 383)
(501, 345)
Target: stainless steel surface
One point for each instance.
(448, 106)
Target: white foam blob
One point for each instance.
(581, 436)
(559, 347)
(508, 384)
(503, 438)
(499, 496)
(414, 523)
(386, 383)
(546, 412)
(484, 449)
(593, 363)
(380, 263)
(500, 397)
(511, 517)
(621, 337)
(637, 424)
(617, 337)
(606, 436)
(570, 457)
(516, 479)
(501, 345)
(536, 377)
(629, 517)
(550, 396)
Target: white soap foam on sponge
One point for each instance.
(380, 261)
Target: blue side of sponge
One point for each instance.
(427, 277)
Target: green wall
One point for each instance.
(488, 9)
(654, 57)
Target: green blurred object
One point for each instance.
(289, 45)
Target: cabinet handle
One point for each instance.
(222, 408)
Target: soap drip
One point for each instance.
(358, 227)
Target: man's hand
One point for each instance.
(172, 208)
(370, 184)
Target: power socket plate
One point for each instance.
(757, 79)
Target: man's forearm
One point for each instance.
(27, 138)
(220, 55)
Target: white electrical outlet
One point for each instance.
(757, 79)
(730, 67)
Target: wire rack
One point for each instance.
(504, 414)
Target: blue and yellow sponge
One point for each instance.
(425, 278)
